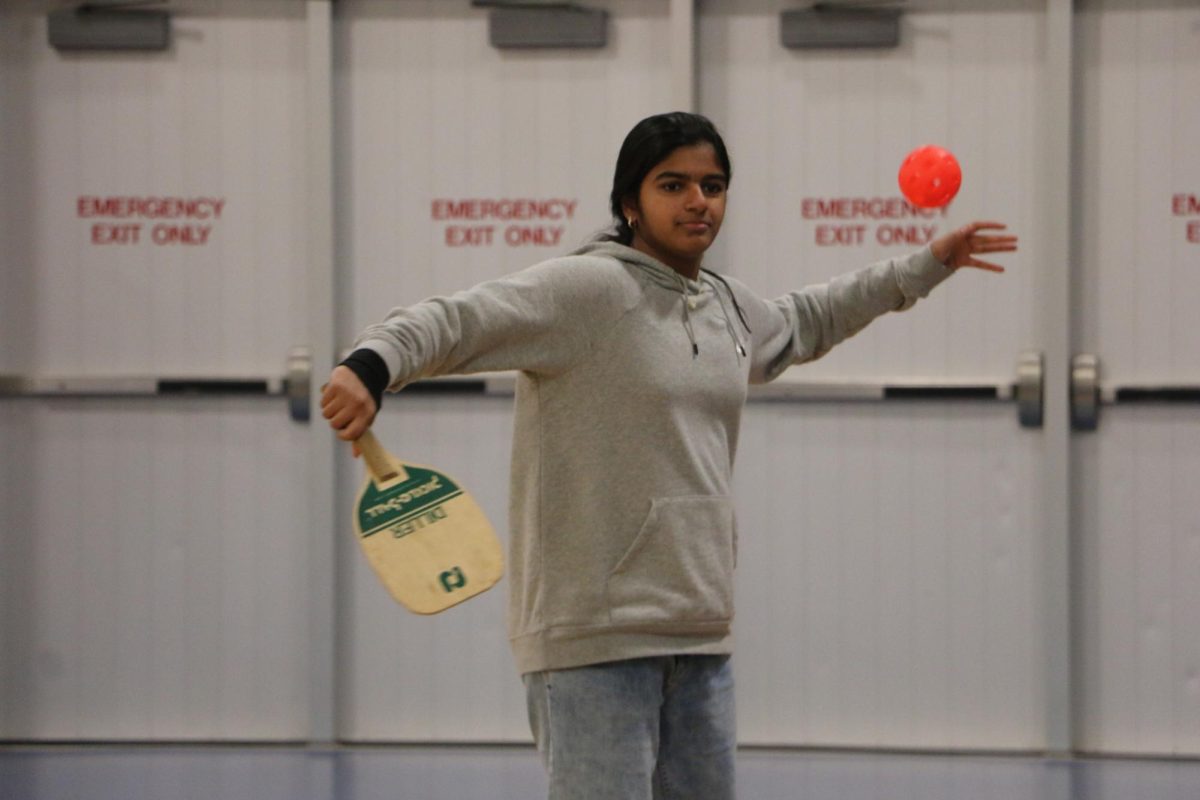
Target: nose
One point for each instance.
(695, 198)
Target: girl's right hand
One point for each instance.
(347, 404)
(959, 248)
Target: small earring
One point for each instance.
(632, 223)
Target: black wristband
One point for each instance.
(371, 369)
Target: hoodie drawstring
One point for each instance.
(687, 317)
(738, 348)
(732, 298)
(737, 343)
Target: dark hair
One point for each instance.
(649, 143)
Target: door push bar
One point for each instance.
(1088, 393)
(296, 387)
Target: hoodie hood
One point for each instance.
(654, 269)
(695, 295)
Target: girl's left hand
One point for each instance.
(958, 249)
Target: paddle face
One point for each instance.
(427, 539)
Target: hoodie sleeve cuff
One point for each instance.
(371, 369)
(926, 272)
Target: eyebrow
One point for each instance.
(683, 176)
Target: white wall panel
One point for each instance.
(219, 116)
(886, 589)
(823, 124)
(1139, 514)
(889, 583)
(428, 110)
(151, 558)
(1140, 88)
(1140, 595)
(156, 553)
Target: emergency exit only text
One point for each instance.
(854, 221)
(516, 222)
(1188, 205)
(158, 220)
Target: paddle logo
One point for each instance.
(453, 579)
(406, 507)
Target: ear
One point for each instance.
(629, 208)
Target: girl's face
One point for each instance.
(680, 207)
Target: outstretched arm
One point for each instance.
(804, 325)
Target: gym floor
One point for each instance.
(484, 772)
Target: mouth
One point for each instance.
(696, 226)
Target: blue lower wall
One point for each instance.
(514, 773)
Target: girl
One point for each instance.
(633, 367)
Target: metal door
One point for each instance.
(892, 584)
(1137, 377)
(447, 136)
(156, 543)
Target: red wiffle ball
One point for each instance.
(930, 176)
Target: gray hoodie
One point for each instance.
(629, 397)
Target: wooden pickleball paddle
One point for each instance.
(428, 541)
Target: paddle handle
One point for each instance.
(382, 466)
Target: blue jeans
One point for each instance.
(645, 729)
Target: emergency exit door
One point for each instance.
(157, 578)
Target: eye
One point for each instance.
(670, 186)
(714, 189)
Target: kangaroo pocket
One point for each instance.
(679, 568)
